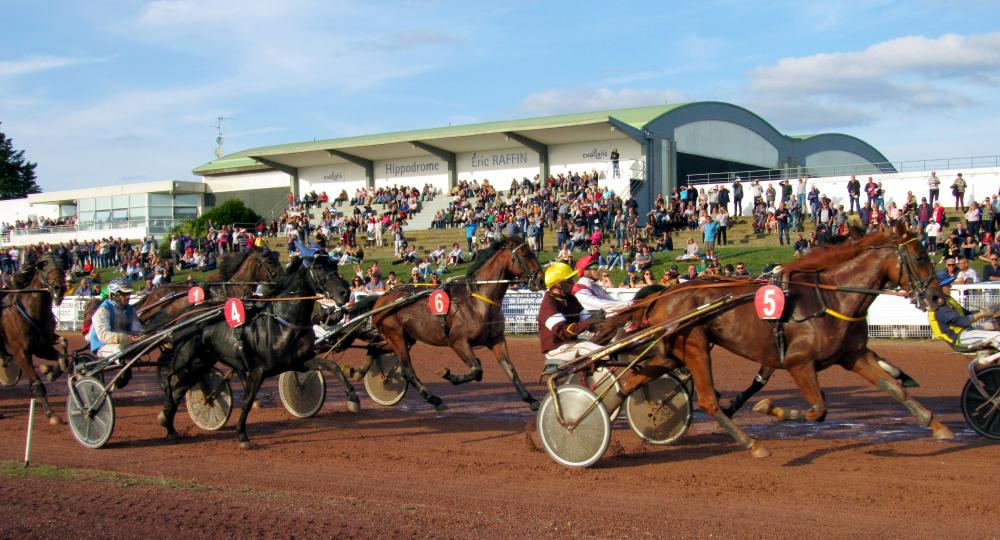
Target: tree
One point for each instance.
(17, 176)
(231, 212)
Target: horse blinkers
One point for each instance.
(532, 278)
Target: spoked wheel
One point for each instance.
(981, 414)
(302, 393)
(384, 380)
(10, 372)
(601, 379)
(91, 412)
(210, 402)
(584, 439)
(660, 411)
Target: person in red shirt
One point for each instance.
(561, 319)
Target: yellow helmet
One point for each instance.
(557, 273)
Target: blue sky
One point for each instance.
(100, 93)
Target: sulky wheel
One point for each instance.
(598, 382)
(10, 372)
(981, 414)
(586, 438)
(384, 381)
(660, 411)
(302, 393)
(91, 412)
(210, 402)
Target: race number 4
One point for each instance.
(236, 315)
(196, 295)
(439, 302)
(770, 302)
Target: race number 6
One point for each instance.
(769, 302)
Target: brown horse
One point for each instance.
(473, 320)
(28, 324)
(823, 325)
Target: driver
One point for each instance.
(115, 323)
(561, 319)
(588, 292)
(958, 326)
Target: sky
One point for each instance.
(103, 93)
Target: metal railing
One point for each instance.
(155, 225)
(885, 167)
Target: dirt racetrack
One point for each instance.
(407, 471)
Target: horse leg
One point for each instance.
(356, 374)
(694, 351)
(176, 378)
(866, 365)
(397, 342)
(898, 374)
(465, 352)
(503, 358)
(808, 383)
(763, 376)
(353, 404)
(37, 387)
(253, 381)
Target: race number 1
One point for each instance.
(770, 302)
(439, 302)
(235, 314)
(196, 295)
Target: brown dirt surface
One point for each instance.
(407, 471)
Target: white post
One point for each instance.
(31, 423)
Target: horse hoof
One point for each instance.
(44, 370)
(55, 420)
(757, 450)
(441, 407)
(161, 419)
(443, 373)
(354, 407)
(534, 404)
(763, 406)
(246, 445)
(942, 433)
(173, 436)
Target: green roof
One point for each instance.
(637, 117)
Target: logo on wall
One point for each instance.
(596, 154)
(399, 169)
(333, 176)
(480, 161)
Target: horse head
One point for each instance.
(914, 271)
(265, 265)
(524, 263)
(51, 275)
(325, 279)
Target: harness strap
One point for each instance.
(842, 317)
(484, 299)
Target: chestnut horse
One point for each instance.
(823, 325)
(475, 318)
(28, 324)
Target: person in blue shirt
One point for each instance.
(470, 234)
(115, 323)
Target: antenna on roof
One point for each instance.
(219, 139)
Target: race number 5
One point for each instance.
(770, 302)
(439, 302)
(236, 315)
(196, 295)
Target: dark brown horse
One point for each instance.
(475, 318)
(28, 324)
(823, 325)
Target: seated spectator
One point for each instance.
(391, 281)
(438, 253)
(375, 284)
(647, 278)
(643, 260)
(801, 247)
(455, 255)
(85, 289)
(606, 281)
(357, 285)
(670, 277)
(565, 255)
(966, 275)
(415, 275)
(741, 270)
(691, 251)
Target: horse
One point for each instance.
(277, 337)
(474, 319)
(28, 325)
(829, 291)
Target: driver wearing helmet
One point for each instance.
(962, 328)
(561, 319)
(115, 323)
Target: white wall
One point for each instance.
(413, 172)
(585, 157)
(727, 141)
(498, 166)
(14, 209)
(835, 158)
(982, 183)
(248, 180)
(332, 179)
(80, 236)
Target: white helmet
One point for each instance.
(120, 285)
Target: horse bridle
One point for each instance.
(527, 276)
(917, 287)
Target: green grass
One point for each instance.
(18, 470)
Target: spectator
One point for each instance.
(991, 272)
(965, 275)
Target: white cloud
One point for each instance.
(903, 74)
(595, 99)
(15, 68)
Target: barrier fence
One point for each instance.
(888, 316)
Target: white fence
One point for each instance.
(888, 316)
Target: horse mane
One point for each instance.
(230, 264)
(485, 254)
(23, 278)
(825, 257)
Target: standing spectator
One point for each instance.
(722, 218)
(958, 190)
(854, 193)
(711, 230)
(974, 218)
(932, 230)
(737, 197)
(934, 188)
(615, 173)
(800, 192)
(470, 234)
(781, 216)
